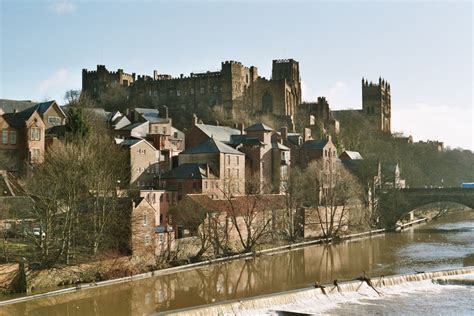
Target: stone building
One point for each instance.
(22, 139)
(376, 103)
(144, 162)
(322, 150)
(234, 87)
(97, 81)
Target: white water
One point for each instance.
(404, 294)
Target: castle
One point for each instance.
(237, 88)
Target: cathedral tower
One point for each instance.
(376, 103)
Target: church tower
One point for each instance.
(376, 103)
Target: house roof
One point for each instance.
(132, 126)
(221, 133)
(354, 155)
(190, 171)
(259, 127)
(315, 144)
(277, 145)
(246, 140)
(151, 115)
(10, 106)
(133, 141)
(17, 120)
(212, 145)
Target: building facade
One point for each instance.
(234, 87)
(377, 103)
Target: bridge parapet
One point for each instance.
(394, 204)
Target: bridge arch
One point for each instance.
(395, 204)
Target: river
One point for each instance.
(443, 244)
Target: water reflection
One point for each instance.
(444, 244)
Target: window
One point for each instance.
(4, 136)
(13, 137)
(205, 184)
(54, 120)
(237, 158)
(161, 236)
(147, 239)
(237, 173)
(178, 93)
(214, 88)
(192, 91)
(228, 159)
(202, 90)
(164, 130)
(35, 133)
(228, 172)
(34, 155)
(145, 220)
(175, 135)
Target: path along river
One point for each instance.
(443, 244)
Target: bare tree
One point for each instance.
(330, 193)
(249, 213)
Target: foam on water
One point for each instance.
(357, 294)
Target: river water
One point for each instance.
(443, 244)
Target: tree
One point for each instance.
(330, 191)
(196, 217)
(249, 213)
(293, 190)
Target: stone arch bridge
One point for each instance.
(394, 204)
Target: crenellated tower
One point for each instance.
(376, 103)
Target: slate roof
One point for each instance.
(221, 133)
(315, 144)
(246, 140)
(212, 145)
(151, 115)
(17, 120)
(259, 127)
(9, 106)
(354, 155)
(132, 126)
(277, 145)
(189, 171)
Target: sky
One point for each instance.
(424, 49)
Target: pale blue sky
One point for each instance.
(424, 49)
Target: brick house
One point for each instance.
(322, 150)
(22, 139)
(141, 239)
(227, 163)
(192, 178)
(144, 162)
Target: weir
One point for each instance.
(324, 293)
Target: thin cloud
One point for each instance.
(335, 94)
(58, 79)
(62, 7)
(450, 124)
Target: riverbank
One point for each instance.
(314, 299)
(162, 272)
(446, 243)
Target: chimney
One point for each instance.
(207, 170)
(241, 128)
(133, 205)
(155, 74)
(14, 111)
(329, 138)
(195, 119)
(292, 124)
(166, 111)
(217, 123)
(284, 133)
